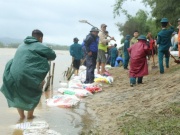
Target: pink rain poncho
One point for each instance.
(138, 60)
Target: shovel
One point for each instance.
(153, 67)
(85, 21)
(175, 60)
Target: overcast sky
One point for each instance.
(59, 19)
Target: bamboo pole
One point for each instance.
(48, 78)
(53, 73)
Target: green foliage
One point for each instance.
(118, 8)
(140, 22)
(164, 8)
(166, 122)
(159, 9)
(1, 45)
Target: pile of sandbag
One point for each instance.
(71, 92)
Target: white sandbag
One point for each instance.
(104, 79)
(40, 132)
(107, 67)
(110, 79)
(77, 92)
(63, 101)
(82, 76)
(63, 85)
(32, 125)
(76, 78)
(82, 67)
(175, 53)
(75, 84)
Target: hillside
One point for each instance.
(7, 40)
(149, 108)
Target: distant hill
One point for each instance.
(14, 43)
(6, 40)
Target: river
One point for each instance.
(67, 121)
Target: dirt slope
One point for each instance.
(118, 99)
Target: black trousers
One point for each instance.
(90, 67)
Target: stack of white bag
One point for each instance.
(75, 88)
(65, 101)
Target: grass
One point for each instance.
(166, 122)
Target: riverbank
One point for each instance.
(149, 108)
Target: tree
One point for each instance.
(164, 8)
(1, 45)
(160, 8)
(140, 22)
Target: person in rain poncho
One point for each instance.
(138, 60)
(125, 50)
(24, 74)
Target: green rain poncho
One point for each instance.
(24, 74)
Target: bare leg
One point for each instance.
(102, 68)
(30, 114)
(75, 73)
(21, 113)
(98, 67)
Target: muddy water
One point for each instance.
(63, 120)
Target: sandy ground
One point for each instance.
(119, 98)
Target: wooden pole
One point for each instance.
(48, 79)
(53, 73)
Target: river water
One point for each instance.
(67, 121)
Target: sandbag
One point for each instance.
(174, 53)
(76, 92)
(75, 84)
(93, 89)
(65, 101)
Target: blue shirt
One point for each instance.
(76, 51)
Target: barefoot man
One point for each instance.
(24, 74)
(102, 49)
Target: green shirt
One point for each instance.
(133, 41)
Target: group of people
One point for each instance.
(93, 49)
(138, 50)
(24, 75)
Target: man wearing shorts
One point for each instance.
(102, 49)
(77, 54)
